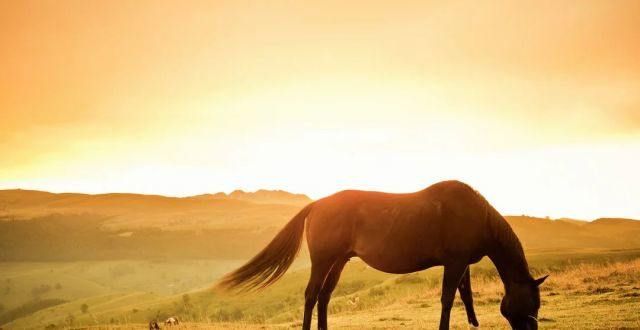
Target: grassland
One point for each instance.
(586, 290)
(120, 260)
(22, 282)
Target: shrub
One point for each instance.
(29, 308)
(70, 319)
(40, 290)
(223, 315)
(186, 299)
(84, 308)
(350, 287)
(413, 278)
(376, 292)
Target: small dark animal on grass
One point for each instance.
(447, 224)
(172, 321)
(153, 325)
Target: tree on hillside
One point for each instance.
(84, 308)
(186, 299)
(40, 290)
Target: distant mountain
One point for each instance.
(261, 196)
(236, 210)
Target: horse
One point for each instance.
(172, 321)
(153, 325)
(447, 224)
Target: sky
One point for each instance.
(536, 104)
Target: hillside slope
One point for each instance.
(237, 210)
(40, 226)
(604, 233)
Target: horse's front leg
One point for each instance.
(452, 275)
(467, 298)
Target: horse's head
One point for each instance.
(521, 303)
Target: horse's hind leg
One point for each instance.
(319, 271)
(327, 288)
(467, 298)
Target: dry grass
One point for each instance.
(579, 297)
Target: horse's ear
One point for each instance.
(540, 280)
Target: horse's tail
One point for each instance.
(273, 261)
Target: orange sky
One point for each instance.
(536, 104)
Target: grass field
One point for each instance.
(22, 282)
(586, 290)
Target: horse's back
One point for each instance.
(399, 232)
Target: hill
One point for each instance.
(42, 226)
(547, 234)
(236, 210)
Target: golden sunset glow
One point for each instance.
(535, 104)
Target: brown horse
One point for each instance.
(447, 224)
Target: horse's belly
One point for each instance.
(398, 266)
(397, 259)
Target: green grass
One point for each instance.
(23, 282)
(587, 289)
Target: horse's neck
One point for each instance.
(511, 267)
(507, 254)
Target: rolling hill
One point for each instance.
(238, 210)
(42, 226)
